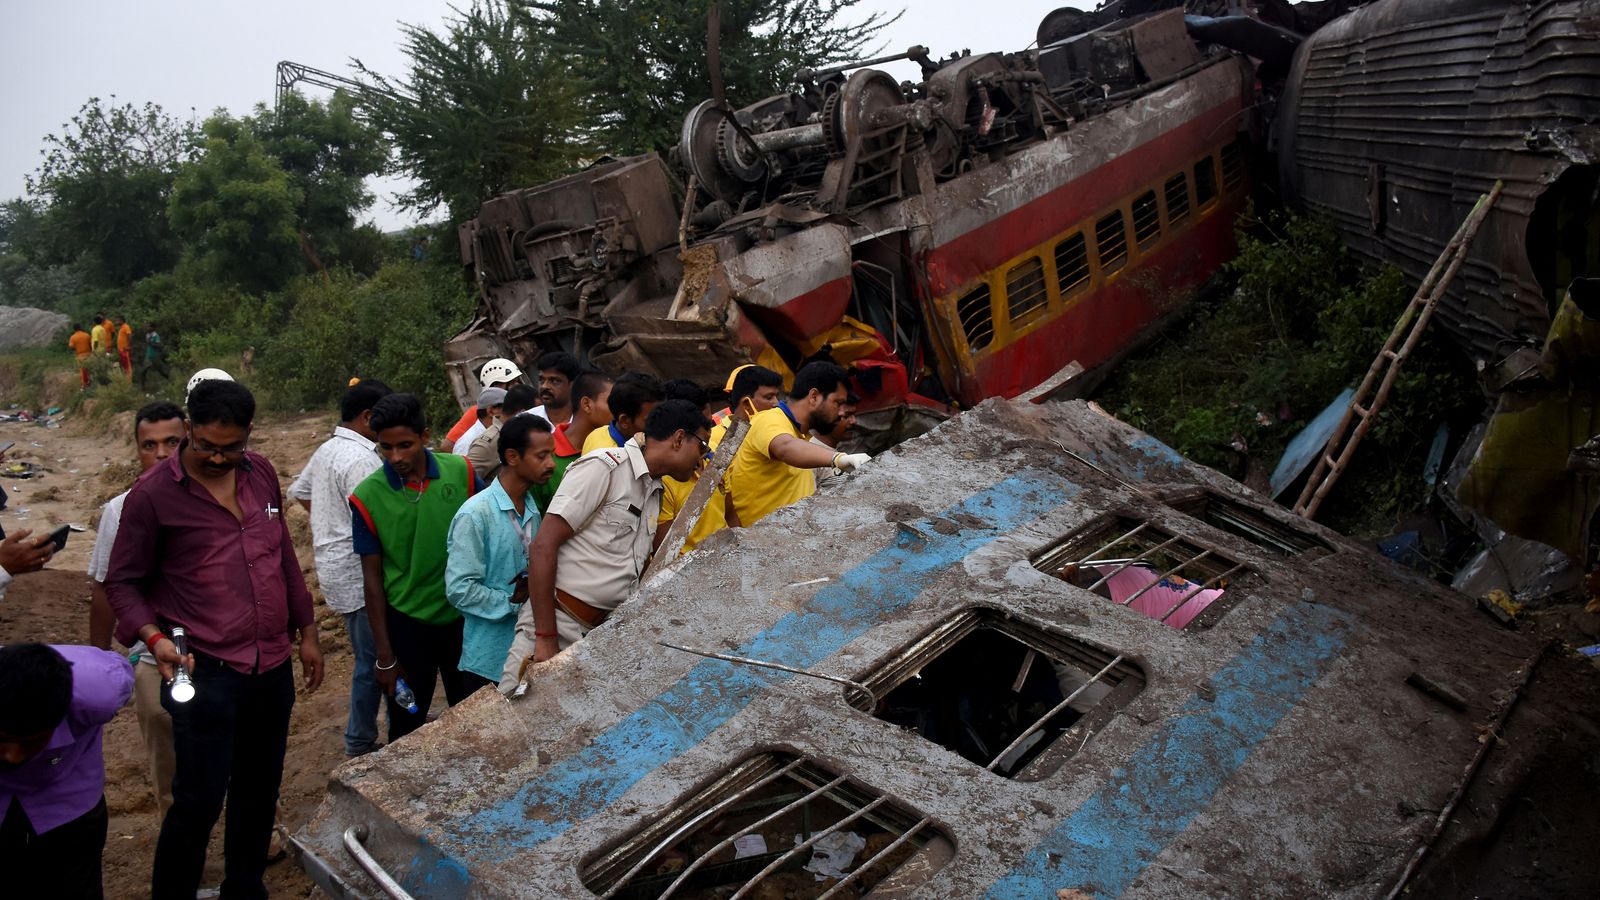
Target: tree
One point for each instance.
(105, 180)
(646, 65)
(486, 107)
(238, 209)
(328, 154)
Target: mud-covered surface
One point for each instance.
(1305, 738)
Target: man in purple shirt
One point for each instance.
(53, 703)
(203, 544)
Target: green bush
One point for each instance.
(1304, 321)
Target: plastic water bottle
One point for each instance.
(403, 696)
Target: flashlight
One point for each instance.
(182, 687)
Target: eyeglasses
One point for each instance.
(705, 447)
(205, 449)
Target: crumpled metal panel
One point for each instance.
(1398, 116)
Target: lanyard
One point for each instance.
(616, 435)
(524, 530)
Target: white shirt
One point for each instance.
(5, 579)
(461, 447)
(539, 411)
(330, 477)
(100, 561)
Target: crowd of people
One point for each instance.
(112, 338)
(463, 565)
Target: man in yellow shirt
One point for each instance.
(98, 336)
(773, 466)
(674, 492)
(758, 385)
(633, 395)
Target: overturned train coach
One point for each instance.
(1084, 666)
(959, 238)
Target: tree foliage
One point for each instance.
(645, 61)
(238, 208)
(105, 180)
(328, 153)
(485, 107)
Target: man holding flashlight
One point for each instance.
(203, 545)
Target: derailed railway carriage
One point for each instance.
(1084, 664)
(959, 238)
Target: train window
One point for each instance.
(1026, 294)
(1011, 697)
(1177, 192)
(1072, 264)
(1233, 165)
(1255, 526)
(1141, 565)
(1111, 240)
(977, 317)
(1205, 182)
(1146, 220)
(755, 828)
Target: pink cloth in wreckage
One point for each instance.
(1161, 598)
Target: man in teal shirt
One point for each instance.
(486, 574)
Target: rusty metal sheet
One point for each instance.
(1397, 117)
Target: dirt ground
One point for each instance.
(86, 462)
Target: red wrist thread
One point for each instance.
(154, 639)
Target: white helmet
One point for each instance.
(498, 371)
(204, 375)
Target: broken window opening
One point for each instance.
(1140, 565)
(1205, 182)
(977, 317)
(1015, 699)
(770, 827)
(1177, 193)
(1111, 242)
(1257, 527)
(1072, 264)
(1233, 164)
(1146, 220)
(1026, 295)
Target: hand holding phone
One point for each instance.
(57, 537)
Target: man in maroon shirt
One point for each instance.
(203, 545)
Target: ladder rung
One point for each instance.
(1389, 354)
(1329, 460)
(1360, 410)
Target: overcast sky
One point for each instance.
(193, 57)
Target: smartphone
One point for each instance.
(59, 537)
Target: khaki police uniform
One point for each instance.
(611, 501)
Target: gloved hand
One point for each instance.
(849, 462)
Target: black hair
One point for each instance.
(158, 411)
(589, 385)
(684, 389)
(35, 688)
(218, 402)
(398, 411)
(752, 379)
(99, 319)
(631, 391)
(519, 399)
(562, 362)
(517, 431)
(826, 377)
(673, 415)
(360, 397)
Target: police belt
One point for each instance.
(588, 616)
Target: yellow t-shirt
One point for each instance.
(97, 338)
(675, 493)
(598, 438)
(759, 483)
(718, 432)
